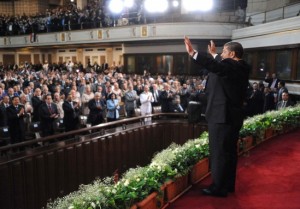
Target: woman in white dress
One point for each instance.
(146, 98)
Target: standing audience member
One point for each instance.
(15, 121)
(146, 98)
(130, 101)
(96, 107)
(48, 114)
(226, 91)
(269, 103)
(184, 96)
(255, 103)
(166, 99)
(36, 101)
(3, 116)
(156, 94)
(71, 114)
(112, 108)
(281, 89)
(59, 103)
(86, 97)
(272, 81)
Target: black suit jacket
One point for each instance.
(36, 103)
(156, 103)
(47, 123)
(166, 101)
(3, 116)
(279, 104)
(15, 123)
(225, 89)
(270, 81)
(95, 115)
(71, 116)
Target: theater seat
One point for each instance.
(137, 112)
(35, 127)
(4, 136)
(156, 109)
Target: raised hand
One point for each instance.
(212, 48)
(188, 46)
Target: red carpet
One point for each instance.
(269, 178)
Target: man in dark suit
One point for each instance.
(15, 121)
(36, 103)
(226, 91)
(156, 94)
(166, 99)
(272, 81)
(48, 114)
(269, 100)
(285, 102)
(96, 107)
(71, 114)
(255, 102)
(3, 117)
(281, 89)
(184, 96)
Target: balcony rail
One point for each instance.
(288, 11)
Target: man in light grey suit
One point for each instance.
(130, 101)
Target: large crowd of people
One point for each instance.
(50, 92)
(67, 17)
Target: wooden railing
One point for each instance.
(32, 177)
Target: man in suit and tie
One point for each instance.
(15, 114)
(96, 107)
(184, 96)
(71, 114)
(130, 101)
(48, 114)
(281, 89)
(285, 102)
(156, 93)
(177, 106)
(166, 99)
(272, 81)
(226, 91)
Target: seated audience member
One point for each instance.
(177, 106)
(285, 102)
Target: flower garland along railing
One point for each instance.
(277, 120)
(137, 183)
(175, 161)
